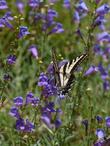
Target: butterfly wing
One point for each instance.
(66, 71)
(55, 67)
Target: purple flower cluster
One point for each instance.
(5, 20)
(102, 46)
(51, 116)
(101, 134)
(103, 73)
(49, 88)
(80, 11)
(16, 111)
(49, 25)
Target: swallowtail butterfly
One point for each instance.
(64, 75)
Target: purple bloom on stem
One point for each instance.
(4, 21)
(50, 107)
(14, 112)
(35, 101)
(18, 101)
(20, 6)
(100, 20)
(99, 119)
(104, 73)
(91, 70)
(29, 126)
(106, 85)
(11, 59)
(103, 37)
(49, 88)
(23, 31)
(107, 120)
(33, 50)
(8, 15)
(50, 69)
(76, 17)
(57, 29)
(34, 3)
(1, 23)
(100, 133)
(43, 80)
(102, 10)
(67, 4)
(20, 124)
(58, 123)
(29, 98)
(81, 6)
(46, 120)
(3, 4)
(51, 14)
(97, 49)
(7, 23)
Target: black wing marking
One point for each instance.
(64, 76)
(55, 67)
(66, 73)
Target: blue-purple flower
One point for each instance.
(81, 7)
(46, 120)
(102, 10)
(20, 124)
(91, 70)
(11, 59)
(107, 120)
(34, 3)
(67, 4)
(99, 119)
(100, 133)
(5, 20)
(20, 6)
(34, 51)
(23, 31)
(97, 49)
(14, 112)
(3, 4)
(76, 17)
(29, 97)
(29, 126)
(106, 85)
(18, 101)
(103, 37)
(58, 123)
(100, 21)
(43, 80)
(103, 71)
(57, 29)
